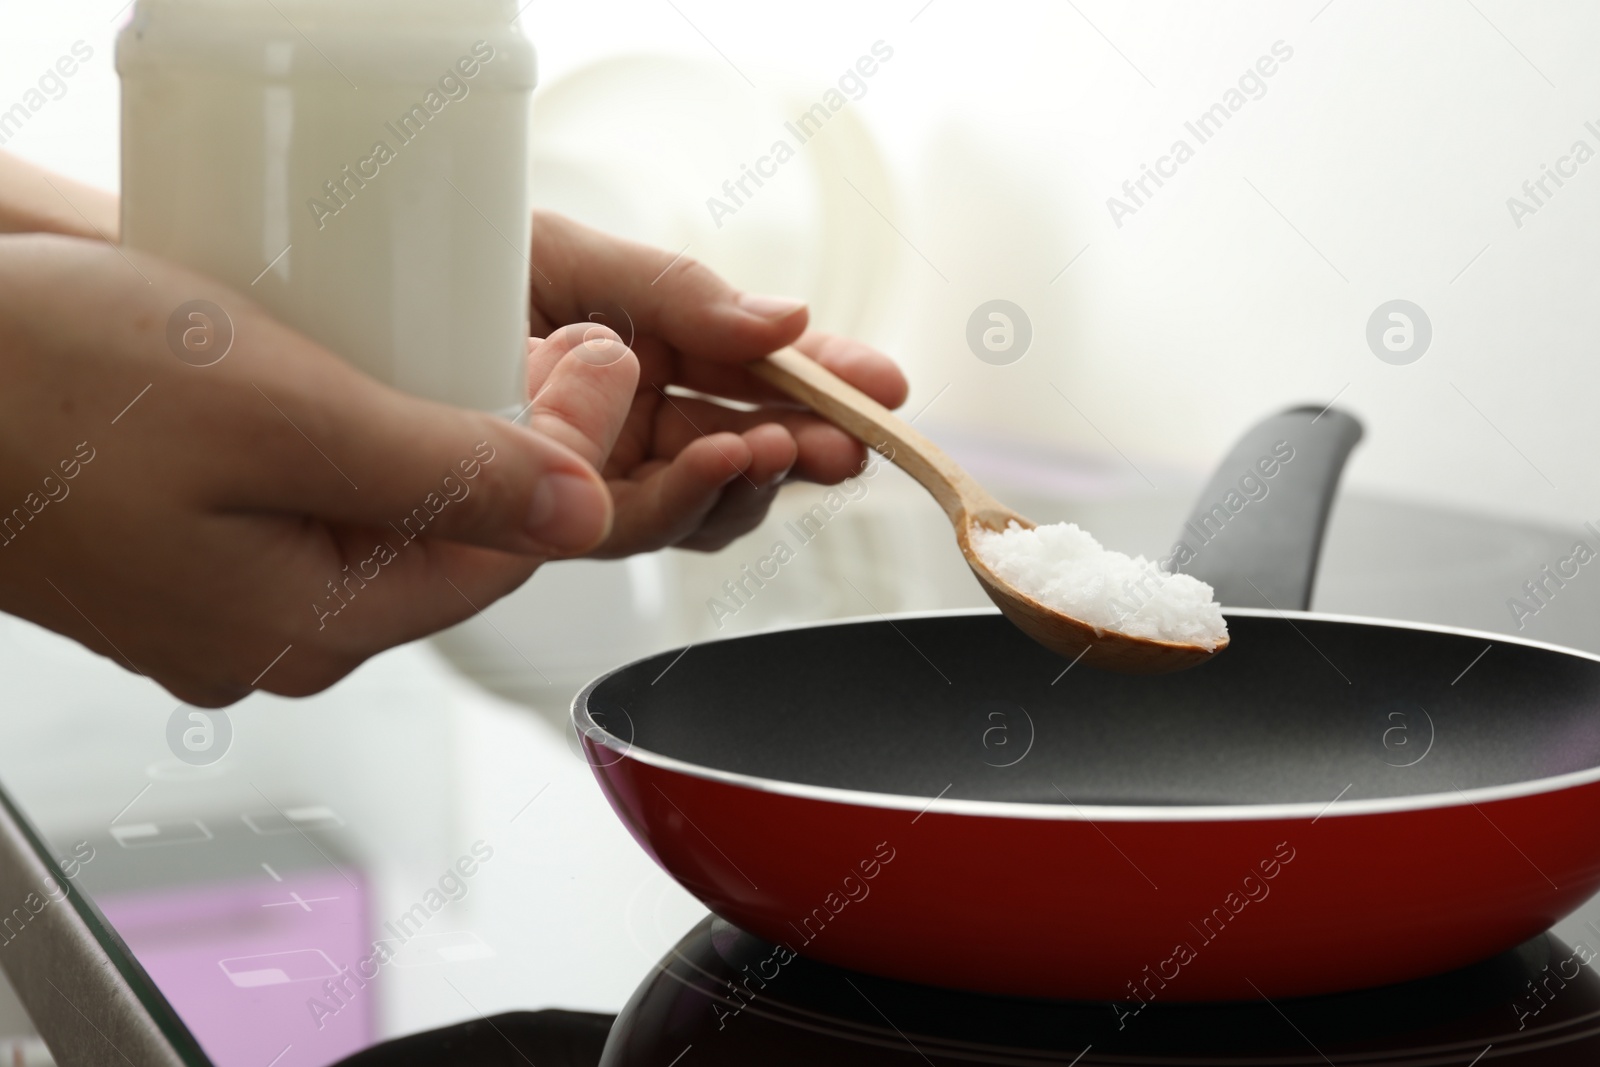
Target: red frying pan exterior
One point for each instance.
(1097, 904)
(1189, 881)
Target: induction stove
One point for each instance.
(709, 1002)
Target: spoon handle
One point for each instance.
(875, 426)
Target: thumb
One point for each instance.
(283, 425)
(582, 379)
(312, 436)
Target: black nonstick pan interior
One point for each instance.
(1297, 710)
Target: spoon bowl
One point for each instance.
(1067, 636)
(968, 504)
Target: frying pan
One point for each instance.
(1333, 803)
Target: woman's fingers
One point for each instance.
(823, 452)
(672, 297)
(281, 424)
(665, 502)
(268, 520)
(279, 517)
(586, 379)
(347, 449)
(386, 591)
(328, 603)
(856, 362)
(418, 467)
(742, 505)
(722, 479)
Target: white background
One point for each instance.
(1390, 141)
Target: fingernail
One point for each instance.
(770, 307)
(777, 479)
(601, 347)
(567, 513)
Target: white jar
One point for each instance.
(359, 167)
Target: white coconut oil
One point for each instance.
(359, 167)
(1065, 568)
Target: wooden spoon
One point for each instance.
(968, 503)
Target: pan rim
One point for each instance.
(593, 733)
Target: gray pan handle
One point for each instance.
(1256, 531)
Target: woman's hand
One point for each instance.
(687, 471)
(275, 518)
